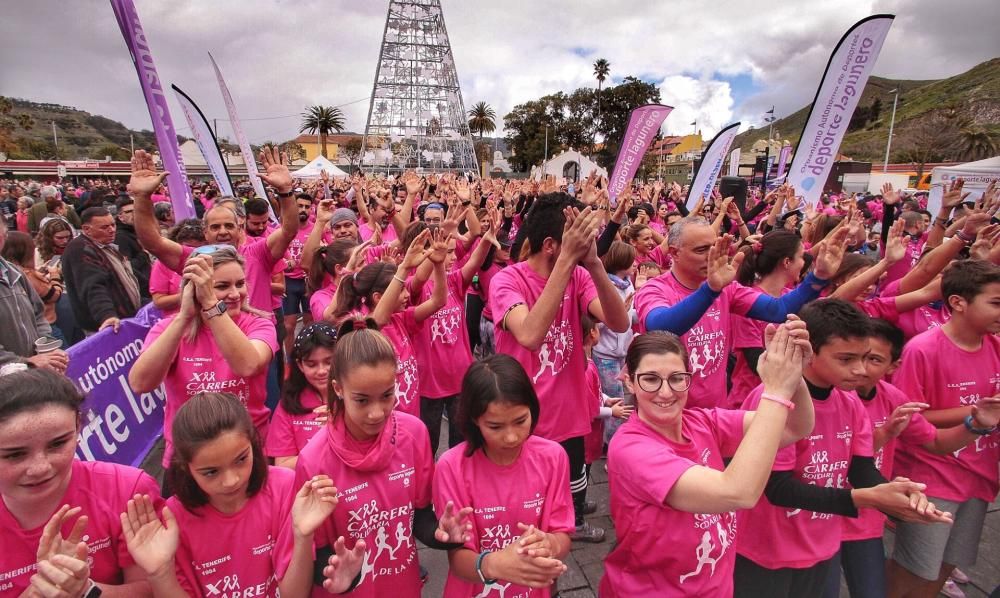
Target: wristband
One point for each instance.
(400, 280)
(964, 238)
(286, 195)
(479, 568)
(779, 400)
(942, 222)
(970, 425)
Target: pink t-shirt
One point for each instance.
(388, 233)
(870, 522)
(258, 267)
(533, 490)
(558, 367)
(880, 307)
(289, 433)
(657, 255)
(294, 252)
(442, 345)
(200, 366)
(778, 537)
(914, 247)
(102, 490)
(320, 300)
(376, 506)
(165, 281)
(402, 330)
(748, 333)
(937, 372)
(245, 561)
(662, 551)
(919, 320)
(709, 341)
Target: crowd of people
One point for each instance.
(769, 384)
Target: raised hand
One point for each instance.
(151, 543)
(454, 525)
(890, 197)
(324, 212)
(579, 234)
(895, 247)
(52, 541)
(275, 171)
(439, 246)
(953, 195)
(462, 189)
(144, 180)
(901, 416)
(722, 268)
(418, 251)
(198, 271)
(343, 566)
(985, 240)
(780, 366)
(313, 504)
(832, 252)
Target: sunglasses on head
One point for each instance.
(209, 249)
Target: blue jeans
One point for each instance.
(863, 563)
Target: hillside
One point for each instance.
(26, 133)
(971, 99)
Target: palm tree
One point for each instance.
(323, 120)
(974, 143)
(482, 119)
(601, 69)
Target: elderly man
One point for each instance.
(100, 283)
(128, 244)
(22, 318)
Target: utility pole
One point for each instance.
(892, 121)
(545, 163)
(767, 150)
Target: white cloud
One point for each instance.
(280, 56)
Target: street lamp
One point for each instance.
(892, 121)
(767, 150)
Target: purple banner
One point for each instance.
(643, 125)
(156, 102)
(783, 160)
(119, 424)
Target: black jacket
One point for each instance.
(95, 293)
(128, 245)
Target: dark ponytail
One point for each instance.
(358, 290)
(327, 259)
(764, 256)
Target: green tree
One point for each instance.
(352, 150)
(601, 70)
(482, 119)
(975, 143)
(619, 102)
(109, 149)
(322, 121)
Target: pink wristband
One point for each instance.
(778, 400)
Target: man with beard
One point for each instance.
(296, 301)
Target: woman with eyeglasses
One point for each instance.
(673, 498)
(216, 342)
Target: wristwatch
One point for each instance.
(218, 310)
(479, 568)
(970, 425)
(93, 590)
(286, 195)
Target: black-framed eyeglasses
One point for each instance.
(650, 382)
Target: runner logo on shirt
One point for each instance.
(556, 349)
(707, 350)
(445, 325)
(406, 377)
(718, 532)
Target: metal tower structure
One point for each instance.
(416, 117)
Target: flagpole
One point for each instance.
(892, 121)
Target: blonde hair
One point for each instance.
(221, 255)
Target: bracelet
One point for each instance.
(286, 195)
(970, 425)
(942, 222)
(779, 400)
(398, 279)
(479, 568)
(964, 237)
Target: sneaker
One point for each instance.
(958, 576)
(951, 590)
(588, 533)
(590, 507)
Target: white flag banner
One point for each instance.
(734, 162)
(838, 95)
(206, 141)
(241, 139)
(711, 163)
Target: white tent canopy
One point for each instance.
(977, 175)
(313, 168)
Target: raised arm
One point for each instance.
(142, 184)
(277, 176)
(324, 212)
(415, 256)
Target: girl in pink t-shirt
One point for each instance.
(515, 484)
(303, 409)
(327, 267)
(380, 459)
(225, 489)
(380, 290)
(773, 266)
(164, 283)
(59, 515)
(673, 500)
(215, 343)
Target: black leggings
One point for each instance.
(577, 475)
(473, 311)
(431, 411)
(750, 580)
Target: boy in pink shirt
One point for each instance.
(537, 306)
(787, 542)
(956, 370)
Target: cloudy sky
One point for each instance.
(715, 62)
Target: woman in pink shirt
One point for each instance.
(773, 265)
(327, 267)
(303, 408)
(647, 249)
(59, 514)
(379, 289)
(225, 489)
(673, 500)
(380, 459)
(215, 343)
(516, 484)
